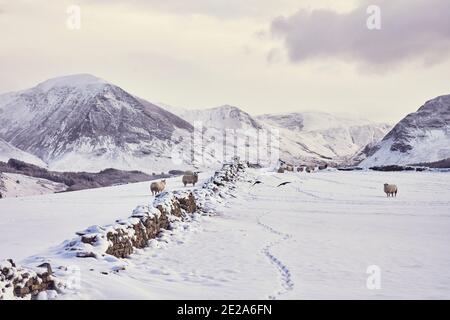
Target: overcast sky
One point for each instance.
(264, 56)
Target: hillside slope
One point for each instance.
(84, 123)
(422, 136)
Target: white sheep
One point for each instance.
(190, 177)
(158, 187)
(390, 189)
(289, 167)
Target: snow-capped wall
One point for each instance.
(124, 236)
(22, 282)
(146, 222)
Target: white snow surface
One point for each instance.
(31, 224)
(312, 238)
(19, 185)
(80, 81)
(223, 117)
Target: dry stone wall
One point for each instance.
(146, 222)
(124, 236)
(21, 282)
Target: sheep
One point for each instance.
(289, 167)
(300, 169)
(190, 177)
(390, 189)
(323, 167)
(158, 187)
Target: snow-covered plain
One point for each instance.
(31, 224)
(312, 238)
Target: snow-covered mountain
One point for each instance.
(304, 137)
(8, 151)
(223, 117)
(323, 137)
(224, 132)
(422, 136)
(81, 122)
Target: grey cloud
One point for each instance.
(418, 29)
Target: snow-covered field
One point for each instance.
(19, 185)
(312, 238)
(29, 225)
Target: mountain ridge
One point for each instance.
(90, 121)
(421, 136)
(82, 122)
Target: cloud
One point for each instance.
(410, 30)
(226, 9)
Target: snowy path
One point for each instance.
(312, 238)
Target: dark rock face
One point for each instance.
(53, 121)
(434, 114)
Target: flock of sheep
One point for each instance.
(390, 189)
(290, 168)
(189, 177)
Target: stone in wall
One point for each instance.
(20, 282)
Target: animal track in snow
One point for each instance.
(286, 281)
